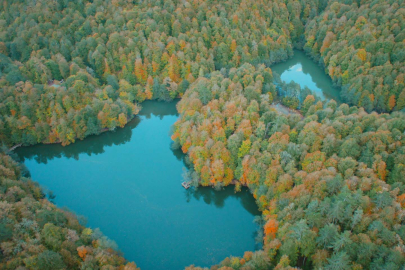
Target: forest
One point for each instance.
(330, 185)
(328, 177)
(111, 55)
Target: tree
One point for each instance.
(244, 148)
(122, 119)
(270, 228)
(327, 236)
(49, 260)
(82, 251)
(308, 102)
(52, 236)
(391, 102)
(204, 93)
(350, 148)
(338, 261)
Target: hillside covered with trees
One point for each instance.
(330, 181)
(331, 185)
(112, 54)
(35, 234)
(362, 48)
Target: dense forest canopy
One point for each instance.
(363, 50)
(330, 185)
(112, 54)
(330, 181)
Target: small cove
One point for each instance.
(304, 71)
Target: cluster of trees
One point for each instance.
(35, 234)
(40, 113)
(111, 54)
(362, 48)
(331, 184)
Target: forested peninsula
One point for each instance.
(328, 177)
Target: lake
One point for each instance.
(128, 184)
(301, 69)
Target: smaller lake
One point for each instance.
(304, 71)
(128, 184)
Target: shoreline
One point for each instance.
(12, 148)
(279, 107)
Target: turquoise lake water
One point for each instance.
(128, 184)
(302, 70)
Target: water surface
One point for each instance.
(128, 184)
(304, 71)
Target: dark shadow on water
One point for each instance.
(217, 198)
(159, 109)
(92, 145)
(179, 155)
(210, 196)
(96, 144)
